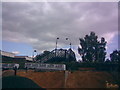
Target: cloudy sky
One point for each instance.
(28, 25)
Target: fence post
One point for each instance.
(15, 70)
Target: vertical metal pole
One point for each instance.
(56, 46)
(70, 45)
(33, 55)
(65, 54)
(70, 41)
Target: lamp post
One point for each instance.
(56, 42)
(33, 54)
(69, 54)
(70, 42)
(56, 46)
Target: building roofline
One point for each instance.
(7, 52)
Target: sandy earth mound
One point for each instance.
(45, 79)
(88, 79)
(78, 79)
(8, 73)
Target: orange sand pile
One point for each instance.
(78, 79)
(87, 79)
(45, 79)
(8, 73)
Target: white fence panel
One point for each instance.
(46, 66)
(9, 65)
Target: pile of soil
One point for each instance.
(77, 79)
(45, 79)
(8, 73)
(88, 79)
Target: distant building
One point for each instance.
(8, 57)
(24, 57)
(69, 55)
(8, 54)
(65, 53)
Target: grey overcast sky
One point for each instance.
(39, 24)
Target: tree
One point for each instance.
(107, 61)
(46, 52)
(40, 56)
(102, 50)
(91, 49)
(115, 56)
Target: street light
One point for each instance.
(70, 42)
(33, 54)
(56, 45)
(69, 54)
(56, 42)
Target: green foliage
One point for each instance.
(56, 60)
(73, 66)
(60, 60)
(115, 56)
(45, 53)
(91, 49)
(20, 61)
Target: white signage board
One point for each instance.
(45, 66)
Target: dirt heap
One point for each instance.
(88, 79)
(77, 79)
(8, 73)
(45, 79)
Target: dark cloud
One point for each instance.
(39, 24)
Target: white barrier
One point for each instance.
(16, 65)
(45, 66)
(9, 65)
